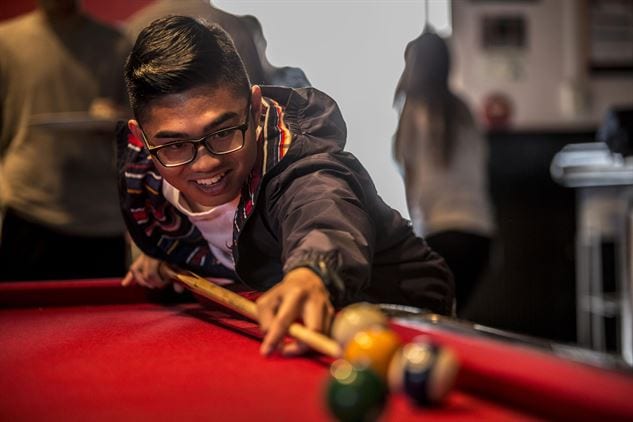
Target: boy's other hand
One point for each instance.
(144, 271)
(300, 295)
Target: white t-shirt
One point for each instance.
(215, 223)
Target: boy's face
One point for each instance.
(210, 180)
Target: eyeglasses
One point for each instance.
(221, 142)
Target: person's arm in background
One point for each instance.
(4, 138)
(6, 130)
(112, 102)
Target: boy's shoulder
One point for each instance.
(312, 119)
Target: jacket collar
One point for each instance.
(274, 139)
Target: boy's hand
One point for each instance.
(145, 271)
(301, 294)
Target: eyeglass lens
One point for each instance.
(222, 142)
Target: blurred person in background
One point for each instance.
(61, 88)
(442, 156)
(245, 31)
(292, 77)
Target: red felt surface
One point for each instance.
(142, 361)
(532, 379)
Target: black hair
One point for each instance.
(425, 81)
(177, 53)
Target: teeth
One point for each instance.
(210, 181)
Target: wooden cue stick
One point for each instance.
(241, 305)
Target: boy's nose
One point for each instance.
(204, 160)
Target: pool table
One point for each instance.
(93, 350)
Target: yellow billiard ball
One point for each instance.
(373, 348)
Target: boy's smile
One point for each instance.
(210, 180)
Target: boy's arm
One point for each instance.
(325, 226)
(327, 237)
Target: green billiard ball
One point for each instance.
(355, 394)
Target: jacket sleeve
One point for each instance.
(318, 209)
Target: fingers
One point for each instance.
(144, 271)
(318, 314)
(288, 312)
(142, 277)
(267, 306)
(128, 279)
(300, 295)
(293, 348)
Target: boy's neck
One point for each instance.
(198, 208)
(194, 206)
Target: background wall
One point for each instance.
(540, 78)
(354, 51)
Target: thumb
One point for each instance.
(128, 279)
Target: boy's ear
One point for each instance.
(256, 101)
(135, 128)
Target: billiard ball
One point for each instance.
(424, 370)
(354, 318)
(355, 394)
(373, 347)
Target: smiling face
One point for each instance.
(210, 180)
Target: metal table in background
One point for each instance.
(604, 283)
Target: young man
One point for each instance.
(251, 184)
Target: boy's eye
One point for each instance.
(177, 147)
(221, 134)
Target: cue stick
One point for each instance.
(243, 306)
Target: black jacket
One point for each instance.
(307, 202)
